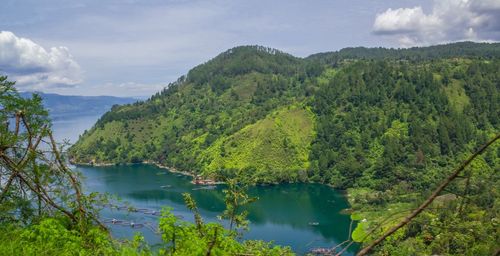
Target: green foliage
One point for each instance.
(239, 111)
(389, 131)
(191, 205)
(236, 198)
(242, 60)
(216, 101)
(456, 96)
(373, 130)
(185, 238)
(387, 122)
(414, 54)
(54, 237)
(43, 210)
(274, 149)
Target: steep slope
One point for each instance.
(355, 101)
(276, 146)
(216, 99)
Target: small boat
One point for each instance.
(136, 225)
(166, 186)
(313, 223)
(113, 221)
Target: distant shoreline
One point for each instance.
(169, 169)
(193, 175)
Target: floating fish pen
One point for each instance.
(323, 251)
(206, 188)
(133, 209)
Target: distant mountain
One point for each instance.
(62, 106)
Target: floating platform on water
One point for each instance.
(206, 187)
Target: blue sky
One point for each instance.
(135, 48)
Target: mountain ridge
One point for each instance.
(61, 106)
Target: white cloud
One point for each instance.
(449, 20)
(35, 68)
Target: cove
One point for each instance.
(302, 216)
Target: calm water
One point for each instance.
(70, 128)
(282, 214)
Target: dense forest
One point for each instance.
(384, 124)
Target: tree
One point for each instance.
(236, 198)
(185, 238)
(32, 169)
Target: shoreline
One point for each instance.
(158, 165)
(168, 168)
(195, 176)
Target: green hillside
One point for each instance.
(276, 146)
(385, 124)
(215, 100)
(218, 116)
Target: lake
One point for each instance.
(302, 216)
(71, 127)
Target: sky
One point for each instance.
(136, 47)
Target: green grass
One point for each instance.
(456, 95)
(280, 143)
(244, 87)
(126, 135)
(326, 76)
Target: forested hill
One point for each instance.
(385, 124)
(282, 118)
(455, 50)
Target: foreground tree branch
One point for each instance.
(430, 199)
(34, 176)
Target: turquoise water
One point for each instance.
(283, 213)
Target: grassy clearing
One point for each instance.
(280, 143)
(456, 95)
